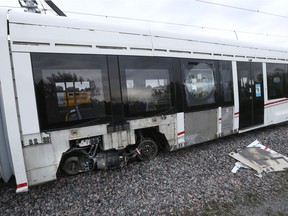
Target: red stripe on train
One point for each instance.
(275, 102)
(22, 185)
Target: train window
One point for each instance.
(226, 83)
(199, 82)
(275, 80)
(146, 84)
(70, 88)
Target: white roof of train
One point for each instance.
(168, 37)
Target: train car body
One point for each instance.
(86, 94)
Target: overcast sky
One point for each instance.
(244, 25)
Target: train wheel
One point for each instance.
(148, 149)
(71, 165)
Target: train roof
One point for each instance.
(24, 18)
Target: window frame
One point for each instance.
(284, 77)
(59, 61)
(192, 108)
(221, 93)
(149, 63)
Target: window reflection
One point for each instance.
(147, 84)
(73, 93)
(226, 80)
(147, 90)
(276, 81)
(70, 88)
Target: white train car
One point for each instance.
(77, 96)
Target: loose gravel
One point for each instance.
(193, 181)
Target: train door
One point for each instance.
(251, 97)
(199, 78)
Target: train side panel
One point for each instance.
(9, 110)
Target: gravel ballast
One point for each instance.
(196, 180)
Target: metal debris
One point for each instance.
(260, 158)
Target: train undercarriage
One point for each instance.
(86, 155)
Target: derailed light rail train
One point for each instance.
(77, 96)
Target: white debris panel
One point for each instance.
(259, 158)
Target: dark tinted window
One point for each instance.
(199, 82)
(276, 81)
(146, 84)
(226, 83)
(70, 88)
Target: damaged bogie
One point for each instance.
(77, 162)
(111, 159)
(81, 157)
(87, 154)
(149, 142)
